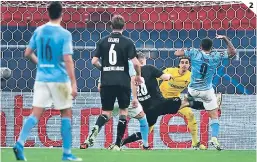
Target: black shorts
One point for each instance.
(110, 93)
(167, 106)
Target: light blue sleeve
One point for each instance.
(32, 41)
(67, 44)
(190, 52)
(132, 71)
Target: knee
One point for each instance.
(213, 114)
(123, 112)
(107, 114)
(187, 112)
(140, 115)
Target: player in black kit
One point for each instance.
(114, 50)
(151, 99)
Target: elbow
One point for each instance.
(232, 52)
(27, 53)
(137, 65)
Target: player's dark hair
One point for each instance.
(206, 44)
(184, 57)
(117, 22)
(140, 55)
(54, 10)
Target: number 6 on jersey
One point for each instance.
(112, 55)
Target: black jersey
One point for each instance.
(115, 50)
(149, 93)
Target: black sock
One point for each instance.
(101, 120)
(120, 130)
(132, 138)
(196, 105)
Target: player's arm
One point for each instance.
(67, 57)
(132, 74)
(179, 53)
(159, 74)
(29, 52)
(95, 60)
(230, 47)
(186, 52)
(132, 53)
(99, 85)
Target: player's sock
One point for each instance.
(144, 129)
(215, 126)
(192, 124)
(66, 135)
(132, 138)
(121, 129)
(28, 125)
(101, 120)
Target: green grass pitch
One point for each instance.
(98, 155)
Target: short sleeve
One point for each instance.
(132, 71)
(157, 73)
(32, 42)
(67, 45)
(131, 50)
(98, 50)
(166, 71)
(190, 52)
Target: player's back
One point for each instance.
(115, 52)
(203, 67)
(51, 42)
(149, 92)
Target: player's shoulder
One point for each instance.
(148, 66)
(103, 39)
(126, 39)
(41, 27)
(169, 70)
(65, 32)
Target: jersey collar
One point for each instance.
(52, 24)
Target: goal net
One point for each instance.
(157, 29)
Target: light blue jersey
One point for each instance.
(51, 42)
(203, 67)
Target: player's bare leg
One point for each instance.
(101, 120)
(213, 114)
(30, 122)
(66, 132)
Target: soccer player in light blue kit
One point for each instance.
(204, 65)
(55, 79)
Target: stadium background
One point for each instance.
(157, 29)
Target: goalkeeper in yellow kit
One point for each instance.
(173, 88)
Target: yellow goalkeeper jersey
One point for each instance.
(174, 87)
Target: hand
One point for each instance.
(74, 91)
(220, 36)
(139, 80)
(134, 103)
